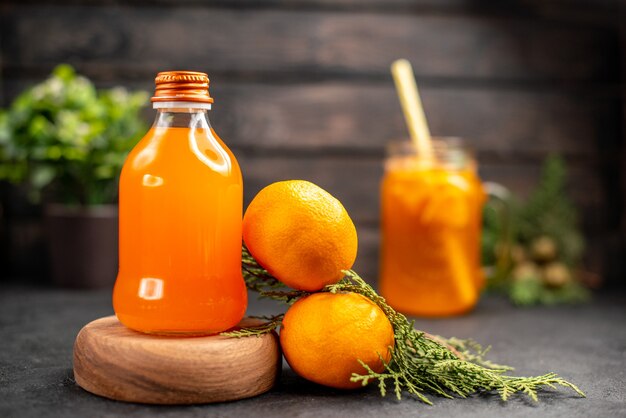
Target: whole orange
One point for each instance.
(300, 234)
(325, 334)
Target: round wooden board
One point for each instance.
(113, 361)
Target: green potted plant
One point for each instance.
(64, 143)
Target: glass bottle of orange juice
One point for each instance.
(431, 224)
(180, 214)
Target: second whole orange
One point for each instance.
(324, 335)
(300, 234)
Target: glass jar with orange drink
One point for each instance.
(180, 214)
(431, 222)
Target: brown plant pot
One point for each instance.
(82, 245)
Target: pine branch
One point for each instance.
(255, 276)
(472, 351)
(288, 297)
(261, 281)
(272, 323)
(420, 363)
(532, 292)
(548, 211)
(549, 215)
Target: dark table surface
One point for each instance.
(585, 344)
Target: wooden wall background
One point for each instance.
(302, 87)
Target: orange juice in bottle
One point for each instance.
(180, 214)
(431, 220)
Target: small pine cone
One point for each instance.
(526, 271)
(556, 275)
(543, 249)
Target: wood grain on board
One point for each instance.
(113, 361)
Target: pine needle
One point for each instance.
(421, 364)
(263, 328)
(435, 365)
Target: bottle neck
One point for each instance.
(182, 115)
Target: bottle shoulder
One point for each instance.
(166, 149)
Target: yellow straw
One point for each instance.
(412, 107)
